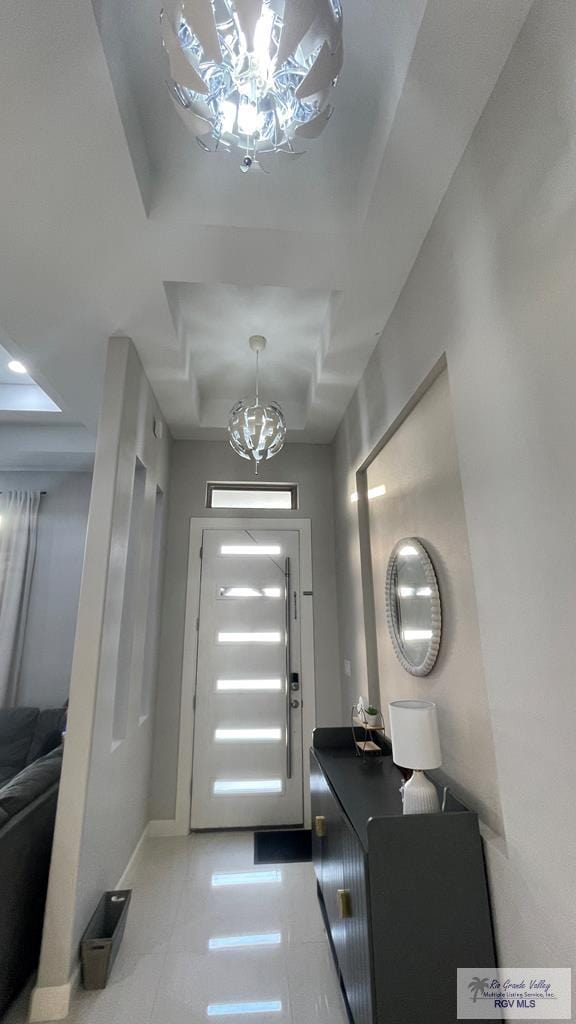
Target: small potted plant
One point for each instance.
(372, 715)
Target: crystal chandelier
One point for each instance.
(254, 75)
(257, 432)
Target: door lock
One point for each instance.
(294, 703)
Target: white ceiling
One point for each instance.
(113, 221)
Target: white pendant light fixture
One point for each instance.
(253, 75)
(257, 432)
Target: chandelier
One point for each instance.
(256, 431)
(254, 75)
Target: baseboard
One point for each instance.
(49, 1003)
(168, 827)
(53, 1003)
(136, 854)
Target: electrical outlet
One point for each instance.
(347, 668)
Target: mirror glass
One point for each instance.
(413, 606)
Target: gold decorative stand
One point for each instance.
(365, 746)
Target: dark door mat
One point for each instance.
(283, 846)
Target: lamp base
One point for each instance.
(420, 796)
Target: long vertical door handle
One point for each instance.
(288, 670)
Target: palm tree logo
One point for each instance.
(478, 987)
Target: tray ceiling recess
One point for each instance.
(118, 223)
(19, 393)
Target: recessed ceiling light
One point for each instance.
(16, 366)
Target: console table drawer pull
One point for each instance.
(320, 825)
(344, 903)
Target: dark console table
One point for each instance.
(404, 898)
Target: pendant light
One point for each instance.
(257, 431)
(253, 76)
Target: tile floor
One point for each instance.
(211, 936)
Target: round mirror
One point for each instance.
(413, 607)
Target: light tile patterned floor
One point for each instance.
(212, 937)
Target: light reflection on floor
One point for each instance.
(210, 936)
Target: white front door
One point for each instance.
(247, 769)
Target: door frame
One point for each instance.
(192, 613)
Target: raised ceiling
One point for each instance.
(113, 221)
(20, 395)
(7, 376)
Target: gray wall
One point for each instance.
(103, 802)
(193, 464)
(493, 287)
(49, 640)
(419, 468)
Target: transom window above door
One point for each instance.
(253, 496)
(224, 592)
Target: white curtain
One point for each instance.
(18, 529)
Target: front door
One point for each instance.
(247, 770)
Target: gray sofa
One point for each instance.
(27, 734)
(30, 764)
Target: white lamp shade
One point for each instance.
(414, 734)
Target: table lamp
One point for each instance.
(416, 745)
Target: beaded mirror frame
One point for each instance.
(426, 664)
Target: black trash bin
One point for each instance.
(101, 940)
